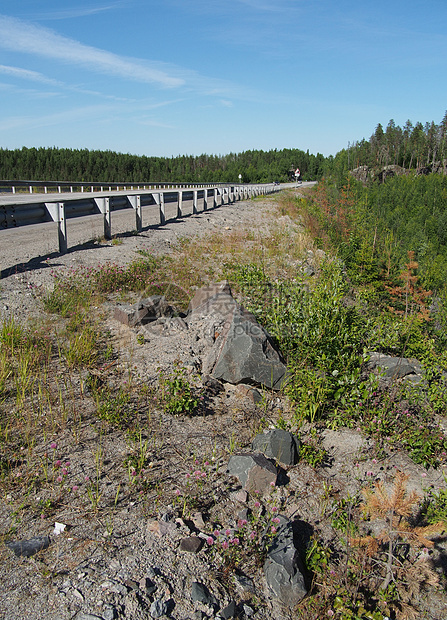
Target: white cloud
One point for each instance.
(58, 118)
(26, 74)
(20, 36)
(69, 13)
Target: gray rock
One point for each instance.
(254, 471)
(144, 311)
(394, 367)
(147, 586)
(278, 444)
(82, 616)
(244, 583)
(211, 298)
(201, 594)
(109, 613)
(228, 611)
(156, 307)
(243, 351)
(246, 353)
(129, 315)
(159, 608)
(27, 548)
(282, 568)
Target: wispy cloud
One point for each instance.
(26, 74)
(70, 13)
(85, 113)
(20, 36)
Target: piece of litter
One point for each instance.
(59, 528)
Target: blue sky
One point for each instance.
(174, 77)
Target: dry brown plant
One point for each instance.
(404, 567)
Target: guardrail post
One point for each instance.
(135, 202)
(214, 198)
(205, 199)
(180, 204)
(57, 213)
(103, 205)
(194, 201)
(160, 200)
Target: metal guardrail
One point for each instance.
(35, 209)
(59, 187)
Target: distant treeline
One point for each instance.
(412, 147)
(54, 164)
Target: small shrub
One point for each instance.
(178, 395)
(113, 408)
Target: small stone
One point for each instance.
(27, 548)
(129, 315)
(255, 472)
(228, 611)
(133, 585)
(282, 567)
(78, 594)
(147, 586)
(248, 611)
(110, 613)
(250, 392)
(201, 594)
(192, 544)
(240, 496)
(158, 608)
(244, 583)
(278, 444)
(197, 519)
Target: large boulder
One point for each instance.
(392, 368)
(242, 351)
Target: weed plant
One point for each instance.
(177, 393)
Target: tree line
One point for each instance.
(421, 147)
(256, 166)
